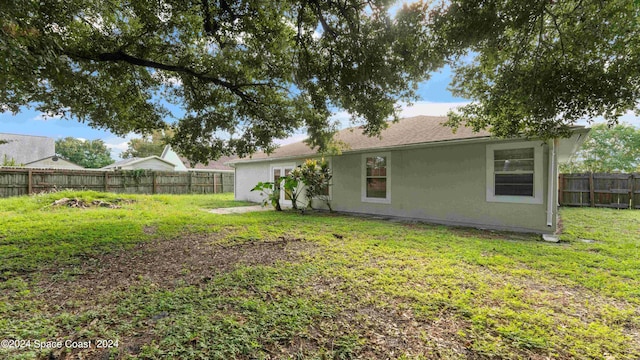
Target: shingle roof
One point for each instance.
(122, 162)
(212, 165)
(408, 131)
(134, 160)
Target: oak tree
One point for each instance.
(536, 67)
(228, 76)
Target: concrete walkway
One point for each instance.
(240, 209)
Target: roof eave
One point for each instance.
(372, 149)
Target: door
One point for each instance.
(277, 173)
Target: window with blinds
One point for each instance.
(513, 172)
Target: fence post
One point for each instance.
(560, 189)
(591, 190)
(632, 190)
(155, 183)
(215, 185)
(190, 181)
(30, 184)
(221, 182)
(106, 181)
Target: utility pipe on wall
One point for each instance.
(552, 179)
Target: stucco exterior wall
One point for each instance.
(25, 148)
(441, 184)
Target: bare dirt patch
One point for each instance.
(79, 203)
(191, 259)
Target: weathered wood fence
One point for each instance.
(24, 181)
(621, 191)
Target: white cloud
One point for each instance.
(119, 144)
(629, 118)
(429, 108)
(81, 139)
(165, 12)
(47, 116)
(167, 79)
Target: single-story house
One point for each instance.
(53, 162)
(183, 164)
(146, 163)
(420, 169)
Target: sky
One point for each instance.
(436, 100)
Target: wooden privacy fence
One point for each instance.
(621, 191)
(23, 181)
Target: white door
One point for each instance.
(277, 173)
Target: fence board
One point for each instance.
(618, 191)
(23, 181)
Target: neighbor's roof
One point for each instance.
(408, 131)
(212, 165)
(59, 158)
(135, 160)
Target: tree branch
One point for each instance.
(121, 56)
(555, 22)
(325, 25)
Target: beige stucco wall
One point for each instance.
(442, 184)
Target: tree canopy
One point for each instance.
(538, 66)
(148, 145)
(607, 149)
(91, 154)
(243, 73)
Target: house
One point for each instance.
(53, 162)
(147, 163)
(217, 166)
(171, 156)
(420, 169)
(23, 149)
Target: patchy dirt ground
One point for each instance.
(191, 259)
(187, 260)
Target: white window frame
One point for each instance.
(364, 197)
(538, 182)
(329, 162)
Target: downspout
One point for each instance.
(552, 179)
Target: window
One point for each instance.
(514, 173)
(376, 179)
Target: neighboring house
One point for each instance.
(147, 163)
(420, 169)
(24, 149)
(53, 162)
(169, 155)
(182, 164)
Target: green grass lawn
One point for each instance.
(163, 278)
